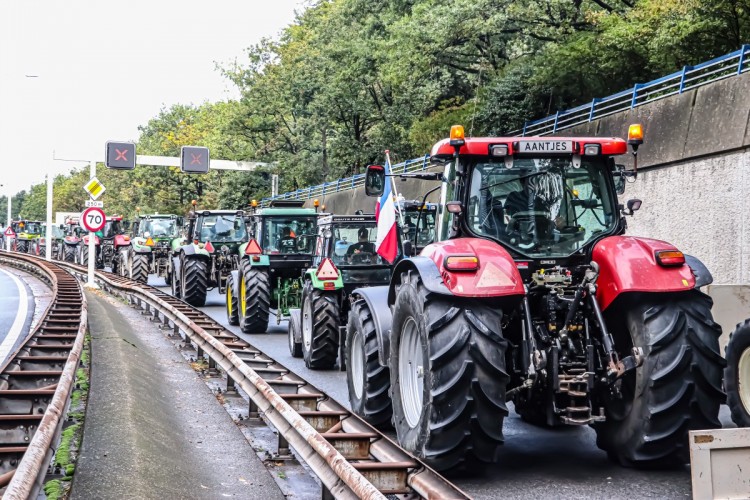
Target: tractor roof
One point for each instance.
(333, 219)
(481, 145)
(219, 212)
(285, 211)
(159, 216)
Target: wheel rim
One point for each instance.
(243, 297)
(410, 372)
(307, 324)
(229, 300)
(743, 382)
(357, 362)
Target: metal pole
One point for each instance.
(92, 248)
(48, 236)
(7, 238)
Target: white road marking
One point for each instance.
(17, 328)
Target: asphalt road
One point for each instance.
(536, 463)
(16, 310)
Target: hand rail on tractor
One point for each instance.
(351, 458)
(689, 77)
(35, 399)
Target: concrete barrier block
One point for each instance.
(719, 118)
(731, 306)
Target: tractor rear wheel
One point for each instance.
(233, 302)
(369, 382)
(675, 390)
(737, 374)
(294, 332)
(22, 246)
(320, 327)
(84, 255)
(138, 267)
(194, 281)
(69, 253)
(255, 300)
(448, 376)
(175, 278)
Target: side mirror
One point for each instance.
(408, 248)
(633, 206)
(619, 177)
(374, 180)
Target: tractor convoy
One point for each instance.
(520, 286)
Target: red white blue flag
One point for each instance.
(387, 242)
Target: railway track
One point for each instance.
(36, 380)
(351, 458)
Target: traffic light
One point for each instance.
(120, 155)
(194, 160)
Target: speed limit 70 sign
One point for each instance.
(93, 219)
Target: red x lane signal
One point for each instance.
(120, 155)
(194, 159)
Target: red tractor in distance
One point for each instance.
(532, 294)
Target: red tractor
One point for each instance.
(533, 295)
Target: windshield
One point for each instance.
(222, 228)
(354, 245)
(541, 207)
(111, 228)
(289, 234)
(57, 232)
(159, 228)
(426, 225)
(28, 227)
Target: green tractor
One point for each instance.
(345, 259)
(208, 253)
(270, 274)
(151, 246)
(418, 223)
(39, 244)
(26, 231)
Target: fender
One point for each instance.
(295, 316)
(376, 298)
(236, 284)
(628, 264)
(86, 240)
(497, 275)
(263, 261)
(700, 271)
(191, 250)
(122, 240)
(311, 275)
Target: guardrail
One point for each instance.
(351, 458)
(34, 391)
(732, 64)
(346, 183)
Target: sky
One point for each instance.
(76, 73)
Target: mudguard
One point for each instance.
(700, 271)
(190, 250)
(86, 240)
(263, 261)
(311, 275)
(628, 264)
(376, 298)
(139, 245)
(497, 275)
(295, 316)
(122, 240)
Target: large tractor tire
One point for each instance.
(675, 390)
(22, 246)
(233, 302)
(737, 374)
(120, 263)
(448, 376)
(320, 328)
(83, 256)
(194, 281)
(369, 382)
(255, 300)
(138, 267)
(175, 274)
(69, 253)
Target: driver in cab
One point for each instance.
(363, 250)
(288, 241)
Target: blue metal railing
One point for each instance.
(689, 77)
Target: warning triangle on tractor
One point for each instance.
(252, 248)
(327, 271)
(209, 247)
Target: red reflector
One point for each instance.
(462, 263)
(253, 248)
(329, 285)
(327, 271)
(256, 258)
(670, 258)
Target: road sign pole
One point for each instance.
(48, 236)
(92, 248)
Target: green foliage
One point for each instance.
(349, 79)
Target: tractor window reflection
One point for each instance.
(222, 228)
(289, 235)
(354, 245)
(159, 228)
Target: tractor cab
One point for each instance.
(215, 229)
(285, 233)
(159, 229)
(418, 222)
